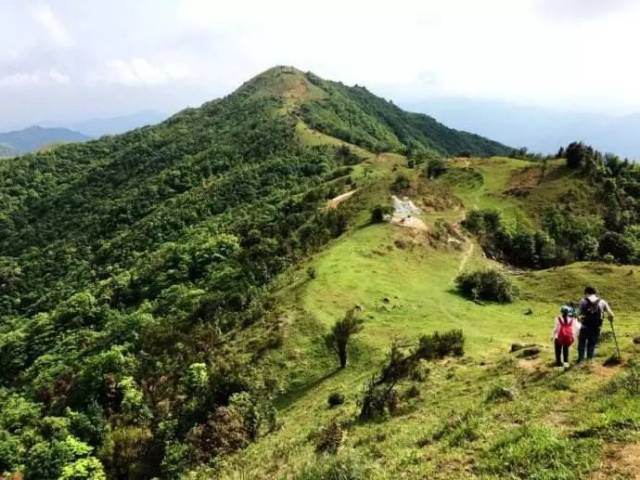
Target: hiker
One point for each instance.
(564, 334)
(592, 310)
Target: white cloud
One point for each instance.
(26, 79)
(142, 72)
(60, 78)
(53, 26)
(19, 80)
(562, 53)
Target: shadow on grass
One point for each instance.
(291, 397)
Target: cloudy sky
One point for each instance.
(68, 60)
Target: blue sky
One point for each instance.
(67, 60)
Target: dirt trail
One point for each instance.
(334, 202)
(620, 461)
(465, 257)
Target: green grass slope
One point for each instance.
(559, 424)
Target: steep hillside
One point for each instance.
(129, 264)
(33, 138)
(491, 414)
(165, 294)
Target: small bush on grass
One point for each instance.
(441, 345)
(335, 399)
(498, 393)
(412, 392)
(401, 183)
(330, 438)
(379, 211)
(420, 372)
(380, 397)
(489, 285)
(378, 400)
(435, 168)
(538, 453)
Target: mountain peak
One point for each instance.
(281, 81)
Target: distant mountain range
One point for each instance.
(539, 129)
(40, 136)
(36, 137)
(7, 151)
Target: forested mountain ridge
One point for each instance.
(128, 263)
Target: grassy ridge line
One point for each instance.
(365, 267)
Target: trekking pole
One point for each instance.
(615, 339)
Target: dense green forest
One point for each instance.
(128, 264)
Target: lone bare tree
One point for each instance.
(338, 339)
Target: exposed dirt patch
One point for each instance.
(523, 181)
(404, 214)
(530, 364)
(603, 372)
(619, 461)
(334, 202)
(411, 222)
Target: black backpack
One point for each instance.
(592, 314)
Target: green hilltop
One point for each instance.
(165, 294)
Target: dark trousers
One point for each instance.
(562, 353)
(587, 341)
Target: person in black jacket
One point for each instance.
(592, 311)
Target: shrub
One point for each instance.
(330, 438)
(412, 392)
(499, 393)
(377, 401)
(398, 366)
(483, 221)
(338, 339)
(489, 285)
(335, 399)
(578, 154)
(312, 273)
(223, 433)
(420, 372)
(616, 245)
(440, 345)
(379, 211)
(435, 168)
(345, 156)
(400, 183)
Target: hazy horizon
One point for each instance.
(167, 55)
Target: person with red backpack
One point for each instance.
(592, 310)
(564, 334)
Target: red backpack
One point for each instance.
(565, 334)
